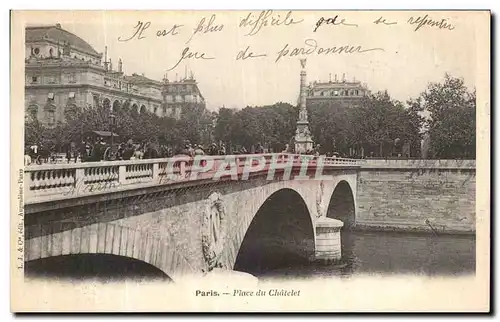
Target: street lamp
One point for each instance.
(111, 123)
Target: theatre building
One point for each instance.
(63, 71)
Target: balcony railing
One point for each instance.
(62, 181)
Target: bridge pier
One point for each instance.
(328, 242)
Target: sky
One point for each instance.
(392, 56)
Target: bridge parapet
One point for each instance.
(417, 164)
(64, 181)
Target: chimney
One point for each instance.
(343, 77)
(120, 65)
(106, 58)
(330, 77)
(58, 26)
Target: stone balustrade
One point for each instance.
(62, 181)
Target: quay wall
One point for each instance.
(417, 195)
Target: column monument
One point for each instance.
(303, 139)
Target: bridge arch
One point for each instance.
(110, 239)
(342, 205)
(281, 232)
(105, 267)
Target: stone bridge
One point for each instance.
(185, 216)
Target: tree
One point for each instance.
(452, 118)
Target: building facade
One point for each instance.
(346, 93)
(63, 71)
(177, 95)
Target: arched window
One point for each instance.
(71, 111)
(106, 103)
(33, 112)
(50, 114)
(116, 106)
(143, 109)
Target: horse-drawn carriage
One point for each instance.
(106, 144)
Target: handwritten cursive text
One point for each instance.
(203, 28)
(381, 20)
(336, 21)
(246, 53)
(186, 54)
(173, 31)
(139, 29)
(427, 21)
(311, 47)
(266, 18)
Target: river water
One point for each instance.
(390, 253)
(363, 253)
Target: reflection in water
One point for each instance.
(394, 253)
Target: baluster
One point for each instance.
(58, 179)
(69, 178)
(100, 174)
(89, 175)
(35, 178)
(93, 174)
(51, 179)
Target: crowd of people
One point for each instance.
(102, 150)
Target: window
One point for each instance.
(51, 79)
(51, 52)
(51, 117)
(32, 112)
(336, 93)
(34, 79)
(37, 51)
(71, 78)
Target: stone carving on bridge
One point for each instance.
(319, 200)
(213, 231)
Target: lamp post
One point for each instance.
(111, 123)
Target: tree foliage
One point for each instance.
(452, 118)
(378, 126)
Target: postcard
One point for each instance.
(250, 161)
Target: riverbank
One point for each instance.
(414, 228)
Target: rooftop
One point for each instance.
(141, 79)
(56, 34)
